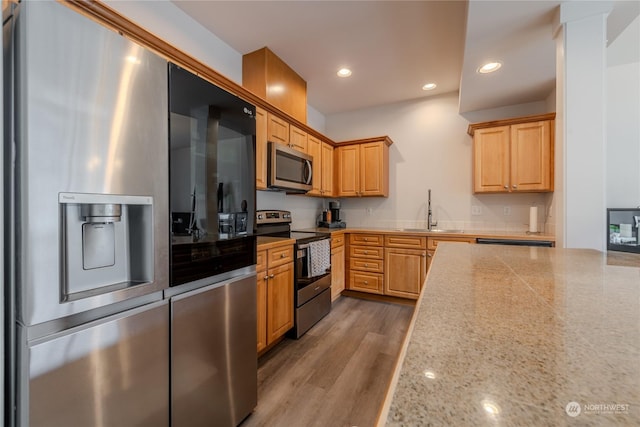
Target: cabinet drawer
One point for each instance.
(371, 265)
(409, 242)
(369, 252)
(261, 260)
(280, 256)
(337, 241)
(366, 239)
(366, 282)
(433, 241)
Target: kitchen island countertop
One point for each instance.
(508, 335)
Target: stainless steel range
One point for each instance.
(312, 269)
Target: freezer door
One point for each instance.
(112, 372)
(213, 354)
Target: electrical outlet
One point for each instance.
(369, 211)
(476, 210)
(506, 210)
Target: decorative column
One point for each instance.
(580, 34)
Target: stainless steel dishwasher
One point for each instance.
(514, 242)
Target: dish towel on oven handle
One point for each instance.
(319, 259)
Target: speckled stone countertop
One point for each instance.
(521, 336)
(512, 235)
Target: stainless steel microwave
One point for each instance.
(288, 169)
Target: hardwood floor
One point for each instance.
(337, 374)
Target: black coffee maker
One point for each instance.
(331, 218)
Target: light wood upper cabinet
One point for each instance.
(347, 161)
(261, 149)
(277, 129)
(269, 77)
(513, 157)
(491, 160)
(322, 153)
(314, 149)
(326, 186)
(362, 168)
(297, 139)
(531, 156)
(374, 169)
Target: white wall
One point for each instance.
(168, 22)
(623, 119)
(431, 150)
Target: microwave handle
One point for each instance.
(310, 171)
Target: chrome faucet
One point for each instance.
(430, 223)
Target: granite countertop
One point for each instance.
(268, 242)
(526, 336)
(514, 235)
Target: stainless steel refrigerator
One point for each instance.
(86, 220)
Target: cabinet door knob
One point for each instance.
(283, 255)
(424, 255)
(271, 276)
(514, 186)
(366, 265)
(506, 187)
(266, 277)
(429, 255)
(365, 252)
(366, 282)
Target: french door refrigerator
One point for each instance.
(86, 220)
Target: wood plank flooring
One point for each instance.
(337, 374)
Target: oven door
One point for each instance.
(289, 169)
(307, 285)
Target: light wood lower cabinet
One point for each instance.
(279, 301)
(392, 264)
(405, 265)
(405, 271)
(337, 266)
(366, 263)
(274, 294)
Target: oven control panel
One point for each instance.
(272, 217)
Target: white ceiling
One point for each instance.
(394, 47)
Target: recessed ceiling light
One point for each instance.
(344, 72)
(490, 67)
(429, 86)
